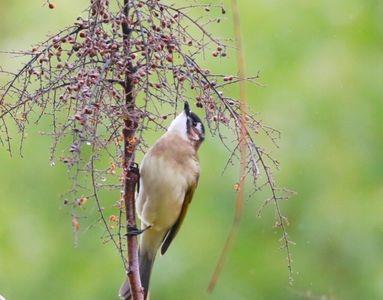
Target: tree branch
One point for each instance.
(130, 176)
(87, 80)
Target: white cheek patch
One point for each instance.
(199, 128)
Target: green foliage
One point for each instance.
(322, 66)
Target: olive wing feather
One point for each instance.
(174, 230)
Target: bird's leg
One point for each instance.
(134, 168)
(134, 231)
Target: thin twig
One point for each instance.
(243, 150)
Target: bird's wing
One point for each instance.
(173, 231)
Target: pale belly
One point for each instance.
(162, 193)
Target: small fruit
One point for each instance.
(169, 58)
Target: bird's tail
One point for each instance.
(146, 265)
(149, 244)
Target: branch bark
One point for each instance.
(130, 174)
(130, 182)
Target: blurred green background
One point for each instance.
(322, 66)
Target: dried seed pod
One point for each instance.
(169, 58)
(81, 201)
(75, 224)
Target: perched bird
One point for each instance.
(168, 177)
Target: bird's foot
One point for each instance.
(134, 172)
(134, 231)
(134, 168)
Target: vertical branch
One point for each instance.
(242, 148)
(130, 174)
(130, 182)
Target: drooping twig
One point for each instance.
(240, 187)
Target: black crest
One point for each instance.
(187, 108)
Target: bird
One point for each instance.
(169, 174)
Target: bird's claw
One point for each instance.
(134, 168)
(134, 231)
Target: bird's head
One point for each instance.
(189, 126)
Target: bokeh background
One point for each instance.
(321, 63)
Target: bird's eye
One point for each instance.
(194, 123)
